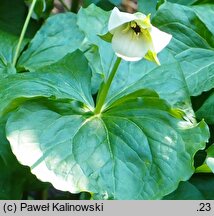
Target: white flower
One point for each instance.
(134, 37)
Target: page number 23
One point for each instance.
(204, 207)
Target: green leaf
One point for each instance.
(93, 56)
(97, 22)
(205, 16)
(7, 50)
(137, 149)
(166, 79)
(57, 37)
(200, 2)
(192, 43)
(206, 111)
(204, 183)
(147, 7)
(8, 43)
(73, 83)
(98, 52)
(185, 191)
(199, 69)
(199, 187)
(151, 6)
(12, 18)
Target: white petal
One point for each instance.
(160, 39)
(118, 18)
(129, 46)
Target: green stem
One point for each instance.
(64, 5)
(23, 33)
(104, 91)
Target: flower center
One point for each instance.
(136, 28)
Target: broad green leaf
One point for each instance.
(73, 83)
(12, 17)
(206, 111)
(58, 36)
(138, 149)
(192, 44)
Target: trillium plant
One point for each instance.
(99, 103)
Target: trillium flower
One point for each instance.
(134, 37)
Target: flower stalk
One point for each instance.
(24, 29)
(104, 91)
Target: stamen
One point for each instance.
(136, 28)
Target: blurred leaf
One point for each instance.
(12, 17)
(42, 8)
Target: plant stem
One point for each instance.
(23, 33)
(64, 5)
(104, 91)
